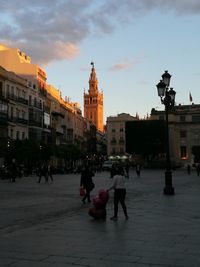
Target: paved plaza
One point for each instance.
(48, 225)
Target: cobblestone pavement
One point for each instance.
(48, 225)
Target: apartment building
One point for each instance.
(14, 107)
(14, 60)
(116, 135)
(184, 133)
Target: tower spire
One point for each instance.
(93, 82)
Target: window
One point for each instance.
(11, 112)
(23, 94)
(113, 151)
(3, 107)
(8, 89)
(121, 140)
(183, 134)
(113, 140)
(121, 129)
(182, 118)
(121, 150)
(12, 91)
(113, 130)
(30, 100)
(183, 151)
(161, 118)
(23, 135)
(196, 118)
(17, 92)
(17, 135)
(11, 133)
(17, 112)
(23, 114)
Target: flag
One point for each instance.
(190, 97)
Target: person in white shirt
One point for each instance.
(119, 192)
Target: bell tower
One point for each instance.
(93, 101)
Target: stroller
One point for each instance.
(99, 202)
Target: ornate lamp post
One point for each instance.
(167, 97)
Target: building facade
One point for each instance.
(14, 60)
(93, 102)
(184, 133)
(116, 135)
(14, 107)
(30, 108)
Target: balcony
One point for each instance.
(42, 91)
(36, 104)
(3, 118)
(3, 98)
(22, 100)
(18, 120)
(59, 130)
(11, 96)
(21, 121)
(35, 123)
(57, 114)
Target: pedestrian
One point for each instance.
(138, 169)
(13, 171)
(188, 168)
(43, 172)
(198, 169)
(127, 169)
(119, 192)
(50, 172)
(112, 170)
(87, 182)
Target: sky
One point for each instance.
(131, 43)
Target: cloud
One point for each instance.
(119, 66)
(42, 28)
(126, 64)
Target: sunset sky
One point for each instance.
(131, 42)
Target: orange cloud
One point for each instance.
(66, 50)
(119, 66)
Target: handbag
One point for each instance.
(82, 191)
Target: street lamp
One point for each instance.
(167, 97)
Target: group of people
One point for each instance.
(45, 170)
(119, 187)
(13, 171)
(197, 169)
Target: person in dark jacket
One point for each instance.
(198, 169)
(50, 172)
(13, 171)
(43, 171)
(87, 182)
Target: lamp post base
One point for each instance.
(168, 189)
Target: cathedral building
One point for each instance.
(93, 102)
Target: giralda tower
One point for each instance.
(93, 102)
